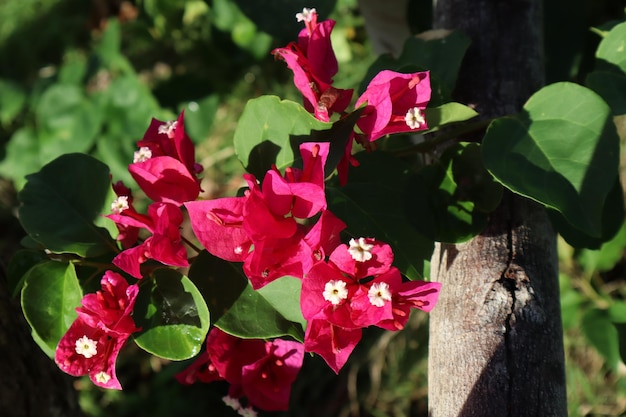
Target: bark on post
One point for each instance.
(496, 345)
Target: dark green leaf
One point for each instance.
(50, 296)
(612, 219)
(60, 203)
(12, 100)
(611, 87)
(451, 199)
(220, 282)
(172, 314)
(199, 116)
(22, 156)
(278, 17)
(441, 52)
(607, 256)
(562, 151)
(20, 263)
(373, 205)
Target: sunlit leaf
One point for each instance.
(562, 150)
(50, 296)
(173, 316)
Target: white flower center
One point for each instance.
(335, 291)
(120, 204)
(379, 294)
(238, 250)
(360, 250)
(414, 118)
(168, 128)
(102, 377)
(306, 15)
(143, 154)
(86, 347)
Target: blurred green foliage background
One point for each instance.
(87, 76)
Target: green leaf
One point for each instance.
(22, 156)
(12, 100)
(264, 133)
(284, 295)
(60, 203)
(68, 121)
(607, 256)
(253, 316)
(20, 263)
(451, 200)
(611, 53)
(447, 113)
(612, 219)
(611, 87)
(600, 331)
(562, 151)
(220, 282)
(50, 296)
(199, 116)
(373, 205)
(173, 316)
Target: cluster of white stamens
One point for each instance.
(335, 291)
(168, 128)
(120, 204)
(306, 15)
(360, 250)
(414, 118)
(86, 347)
(143, 154)
(379, 294)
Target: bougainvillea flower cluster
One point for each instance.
(267, 228)
(104, 324)
(280, 226)
(357, 288)
(261, 371)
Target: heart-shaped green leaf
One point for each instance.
(50, 296)
(266, 313)
(562, 150)
(173, 316)
(60, 203)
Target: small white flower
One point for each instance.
(306, 15)
(143, 154)
(120, 204)
(232, 402)
(247, 412)
(168, 128)
(414, 118)
(238, 250)
(379, 294)
(86, 347)
(102, 377)
(335, 291)
(360, 250)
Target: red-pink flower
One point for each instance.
(164, 245)
(265, 227)
(314, 64)
(164, 166)
(395, 103)
(261, 371)
(92, 343)
(333, 343)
